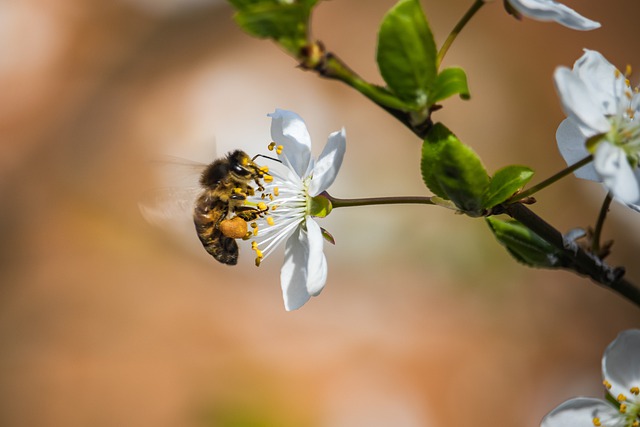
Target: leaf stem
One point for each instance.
(457, 29)
(597, 232)
(547, 182)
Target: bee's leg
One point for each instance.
(248, 213)
(223, 215)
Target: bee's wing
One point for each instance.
(176, 194)
(163, 205)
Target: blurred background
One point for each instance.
(425, 319)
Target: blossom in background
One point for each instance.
(602, 119)
(621, 378)
(293, 201)
(549, 10)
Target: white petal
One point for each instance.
(289, 130)
(621, 362)
(579, 412)
(572, 146)
(606, 84)
(293, 275)
(616, 173)
(316, 263)
(548, 10)
(329, 162)
(579, 103)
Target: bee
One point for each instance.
(227, 183)
(217, 204)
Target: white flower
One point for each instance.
(293, 202)
(549, 10)
(602, 118)
(621, 373)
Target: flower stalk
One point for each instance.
(475, 7)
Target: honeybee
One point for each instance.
(227, 183)
(220, 214)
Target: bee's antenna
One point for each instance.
(266, 157)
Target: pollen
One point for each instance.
(235, 228)
(617, 73)
(254, 245)
(636, 423)
(254, 224)
(621, 397)
(628, 70)
(279, 149)
(623, 408)
(255, 231)
(268, 178)
(264, 169)
(596, 422)
(634, 390)
(276, 191)
(258, 262)
(237, 190)
(271, 197)
(270, 220)
(271, 146)
(607, 384)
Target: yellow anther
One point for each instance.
(270, 220)
(271, 197)
(623, 408)
(250, 191)
(271, 146)
(262, 206)
(276, 191)
(279, 149)
(636, 423)
(596, 422)
(627, 82)
(254, 245)
(255, 231)
(258, 262)
(627, 70)
(247, 236)
(607, 384)
(264, 169)
(262, 196)
(259, 253)
(617, 73)
(621, 397)
(273, 208)
(634, 390)
(237, 190)
(254, 225)
(268, 178)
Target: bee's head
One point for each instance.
(241, 164)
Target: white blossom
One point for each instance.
(549, 10)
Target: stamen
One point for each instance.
(279, 149)
(271, 146)
(271, 197)
(254, 224)
(276, 191)
(268, 179)
(258, 262)
(254, 245)
(264, 169)
(255, 231)
(623, 408)
(237, 190)
(270, 220)
(627, 70)
(251, 191)
(634, 390)
(621, 397)
(617, 73)
(262, 206)
(607, 384)
(596, 422)
(636, 423)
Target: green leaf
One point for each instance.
(505, 183)
(407, 52)
(450, 81)
(286, 23)
(524, 245)
(453, 171)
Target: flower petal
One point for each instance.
(293, 275)
(578, 102)
(316, 262)
(329, 162)
(606, 84)
(613, 167)
(548, 10)
(621, 362)
(289, 130)
(579, 412)
(572, 146)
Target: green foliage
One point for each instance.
(505, 183)
(524, 245)
(285, 22)
(407, 52)
(453, 171)
(407, 58)
(450, 81)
